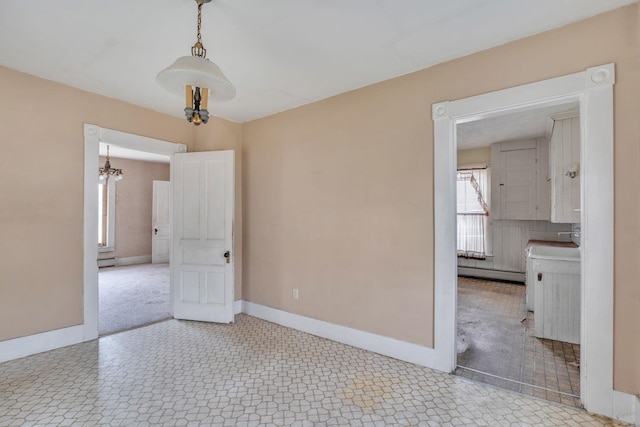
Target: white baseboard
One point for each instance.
(38, 343)
(141, 259)
(625, 407)
(238, 306)
(408, 352)
(491, 274)
(46, 341)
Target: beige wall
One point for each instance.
(41, 219)
(338, 198)
(134, 203)
(474, 155)
(217, 135)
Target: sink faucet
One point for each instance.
(570, 233)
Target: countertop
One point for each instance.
(531, 243)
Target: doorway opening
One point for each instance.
(133, 240)
(127, 266)
(593, 90)
(520, 199)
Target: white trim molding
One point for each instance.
(93, 136)
(593, 89)
(625, 407)
(39, 343)
(238, 307)
(386, 346)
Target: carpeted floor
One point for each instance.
(132, 295)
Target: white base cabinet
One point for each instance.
(556, 299)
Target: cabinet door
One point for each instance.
(518, 184)
(557, 306)
(565, 152)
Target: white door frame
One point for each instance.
(93, 136)
(158, 188)
(593, 89)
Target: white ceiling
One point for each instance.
(528, 123)
(278, 53)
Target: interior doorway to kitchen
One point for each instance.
(593, 89)
(509, 180)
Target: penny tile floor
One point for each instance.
(496, 344)
(250, 373)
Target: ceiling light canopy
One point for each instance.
(197, 78)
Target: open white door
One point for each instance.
(161, 233)
(202, 257)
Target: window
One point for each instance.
(106, 215)
(472, 213)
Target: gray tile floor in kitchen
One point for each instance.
(251, 373)
(495, 337)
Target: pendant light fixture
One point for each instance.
(197, 78)
(107, 171)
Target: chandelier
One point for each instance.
(107, 171)
(197, 78)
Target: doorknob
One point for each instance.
(155, 231)
(227, 255)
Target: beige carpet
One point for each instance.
(132, 296)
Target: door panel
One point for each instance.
(203, 186)
(518, 196)
(161, 233)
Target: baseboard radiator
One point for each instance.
(110, 262)
(107, 262)
(512, 276)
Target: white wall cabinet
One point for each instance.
(520, 187)
(565, 156)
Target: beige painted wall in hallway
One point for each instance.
(134, 203)
(338, 197)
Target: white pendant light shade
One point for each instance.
(196, 72)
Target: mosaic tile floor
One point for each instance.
(496, 332)
(250, 373)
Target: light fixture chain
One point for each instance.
(198, 49)
(199, 22)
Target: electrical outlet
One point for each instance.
(295, 293)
